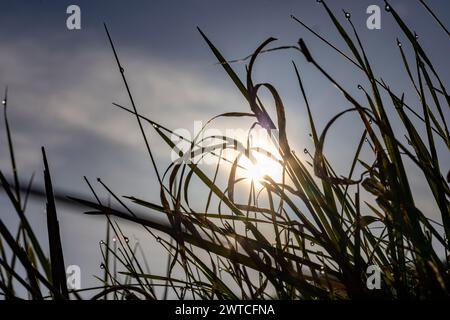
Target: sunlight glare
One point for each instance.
(262, 165)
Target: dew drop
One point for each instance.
(158, 239)
(387, 8)
(322, 270)
(416, 36)
(319, 1)
(102, 242)
(3, 102)
(102, 266)
(348, 15)
(114, 239)
(121, 70)
(360, 87)
(366, 140)
(370, 121)
(305, 150)
(399, 43)
(312, 244)
(127, 240)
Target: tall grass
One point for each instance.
(310, 235)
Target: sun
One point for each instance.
(257, 170)
(260, 166)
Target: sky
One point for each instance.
(62, 84)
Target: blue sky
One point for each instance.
(62, 83)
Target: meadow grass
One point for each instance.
(310, 235)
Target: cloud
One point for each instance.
(57, 94)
